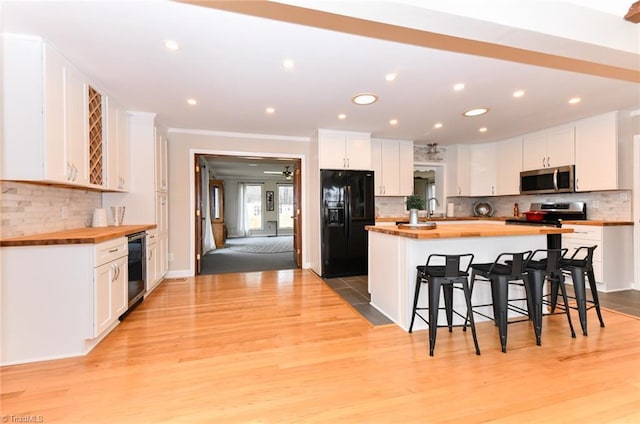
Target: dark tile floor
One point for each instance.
(626, 301)
(354, 291)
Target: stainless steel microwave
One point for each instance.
(548, 180)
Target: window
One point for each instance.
(285, 206)
(253, 200)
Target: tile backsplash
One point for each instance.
(27, 209)
(601, 205)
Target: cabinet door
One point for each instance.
(76, 124)
(483, 169)
(161, 161)
(120, 288)
(358, 151)
(534, 151)
(56, 160)
(596, 154)
(152, 265)
(331, 153)
(509, 166)
(123, 150)
(163, 256)
(104, 279)
(376, 165)
(406, 168)
(390, 152)
(112, 144)
(463, 172)
(162, 213)
(561, 147)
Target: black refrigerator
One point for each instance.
(348, 205)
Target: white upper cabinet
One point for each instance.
(483, 158)
(344, 150)
(549, 149)
(604, 152)
(76, 124)
(33, 87)
(161, 162)
(46, 118)
(117, 141)
(509, 166)
(458, 171)
(392, 162)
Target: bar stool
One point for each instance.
(507, 268)
(544, 265)
(453, 274)
(580, 266)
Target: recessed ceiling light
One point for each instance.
(476, 112)
(342, 116)
(518, 93)
(270, 110)
(192, 102)
(459, 86)
(364, 99)
(437, 125)
(171, 45)
(390, 77)
(393, 122)
(253, 164)
(483, 129)
(575, 100)
(288, 64)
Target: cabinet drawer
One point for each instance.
(585, 232)
(152, 236)
(110, 250)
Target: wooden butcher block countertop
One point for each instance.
(597, 223)
(593, 222)
(469, 230)
(89, 235)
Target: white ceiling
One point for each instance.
(231, 63)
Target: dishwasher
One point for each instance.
(137, 270)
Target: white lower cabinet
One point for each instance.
(153, 263)
(612, 259)
(110, 294)
(63, 306)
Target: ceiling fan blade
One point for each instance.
(273, 172)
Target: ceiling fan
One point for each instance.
(286, 173)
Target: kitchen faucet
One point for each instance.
(429, 210)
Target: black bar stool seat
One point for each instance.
(580, 267)
(453, 274)
(506, 269)
(544, 265)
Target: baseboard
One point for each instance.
(179, 273)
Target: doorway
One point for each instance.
(247, 200)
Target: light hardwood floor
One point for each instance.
(281, 346)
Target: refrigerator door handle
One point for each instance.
(347, 210)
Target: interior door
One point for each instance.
(198, 215)
(297, 214)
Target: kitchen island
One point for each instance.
(394, 254)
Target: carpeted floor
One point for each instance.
(227, 260)
(279, 244)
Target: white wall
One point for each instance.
(231, 208)
(183, 145)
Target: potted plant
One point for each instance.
(414, 204)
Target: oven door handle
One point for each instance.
(555, 179)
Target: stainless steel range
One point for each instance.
(552, 214)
